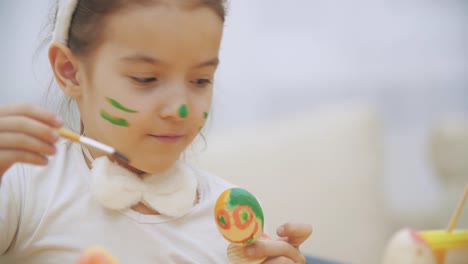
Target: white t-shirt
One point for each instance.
(47, 215)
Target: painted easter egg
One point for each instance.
(96, 255)
(406, 247)
(239, 216)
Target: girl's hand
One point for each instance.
(286, 248)
(26, 135)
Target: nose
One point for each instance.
(175, 103)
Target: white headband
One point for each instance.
(66, 8)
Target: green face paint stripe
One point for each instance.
(183, 111)
(205, 115)
(113, 120)
(119, 106)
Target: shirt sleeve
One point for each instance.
(11, 191)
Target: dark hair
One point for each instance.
(85, 26)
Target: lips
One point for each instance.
(168, 138)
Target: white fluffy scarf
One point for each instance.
(171, 193)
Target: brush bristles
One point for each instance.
(121, 157)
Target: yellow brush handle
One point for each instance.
(68, 134)
(441, 239)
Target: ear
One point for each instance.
(65, 67)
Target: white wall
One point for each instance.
(21, 78)
(406, 58)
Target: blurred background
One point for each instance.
(387, 80)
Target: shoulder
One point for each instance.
(211, 185)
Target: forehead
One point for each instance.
(167, 32)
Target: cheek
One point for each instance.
(107, 101)
(119, 106)
(90, 102)
(118, 110)
(201, 107)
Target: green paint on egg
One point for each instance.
(114, 120)
(222, 220)
(205, 115)
(245, 216)
(183, 111)
(240, 196)
(119, 106)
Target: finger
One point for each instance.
(25, 142)
(11, 156)
(278, 260)
(274, 248)
(31, 111)
(28, 126)
(296, 232)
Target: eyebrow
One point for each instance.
(150, 60)
(212, 62)
(140, 58)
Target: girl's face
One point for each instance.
(147, 88)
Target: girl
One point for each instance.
(141, 73)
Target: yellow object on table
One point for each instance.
(442, 239)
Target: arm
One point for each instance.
(10, 208)
(26, 135)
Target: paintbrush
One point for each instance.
(92, 143)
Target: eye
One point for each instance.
(144, 80)
(201, 82)
(243, 216)
(223, 220)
